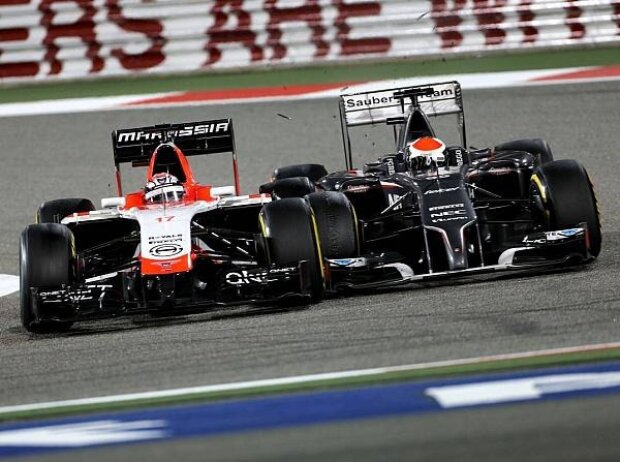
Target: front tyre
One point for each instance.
(291, 234)
(563, 192)
(535, 146)
(337, 224)
(313, 172)
(54, 211)
(46, 262)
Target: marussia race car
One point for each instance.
(511, 207)
(207, 247)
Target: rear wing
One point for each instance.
(136, 145)
(393, 107)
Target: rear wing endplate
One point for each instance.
(393, 106)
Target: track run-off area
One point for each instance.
(69, 155)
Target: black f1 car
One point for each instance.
(195, 247)
(511, 207)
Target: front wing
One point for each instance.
(111, 295)
(536, 253)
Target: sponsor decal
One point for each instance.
(369, 101)
(458, 154)
(393, 199)
(532, 240)
(166, 250)
(165, 245)
(88, 293)
(139, 136)
(350, 262)
(165, 238)
(446, 207)
(439, 191)
(448, 212)
(454, 218)
(500, 171)
(563, 234)
(552, 236)
(390, 167)
(244, 277)
(358, 188)
(82, 295)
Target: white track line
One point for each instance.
(178, 392)
(8, 284)
(72, 105)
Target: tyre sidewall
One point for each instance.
(54, 211)
(290, 229)
(569, 198)
(46, 262)
(337, 224)
(535, 146)
(313, 172)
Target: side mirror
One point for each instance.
(112, 202)
(223, 191)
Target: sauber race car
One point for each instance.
(432, 211)
(176, 246)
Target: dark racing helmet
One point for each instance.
(426, 153)
(163, 188)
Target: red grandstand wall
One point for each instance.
(51, 39)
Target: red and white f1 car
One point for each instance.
(176, 246)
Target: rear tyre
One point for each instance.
(564, 192)
(313, 172)
(290, 230)
(337, 224)
(54, 211)
(535, 146)
(46, 262)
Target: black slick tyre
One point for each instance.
(313, 172)
(46, 262)
(535, 146)
(337, 224)
(291, 234)
(565, 192)
(54, 211)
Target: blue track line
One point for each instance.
(292, 410)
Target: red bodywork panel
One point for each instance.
(193, 192)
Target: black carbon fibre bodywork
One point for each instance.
(479, 212)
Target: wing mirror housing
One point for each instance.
(112, 202)
(223, 191)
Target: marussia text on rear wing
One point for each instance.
(395, 105)
(136, 145)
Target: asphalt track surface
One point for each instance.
(46, 157)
